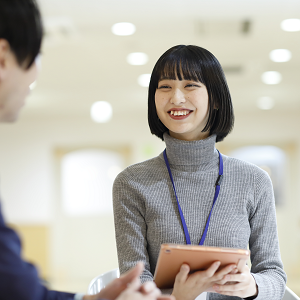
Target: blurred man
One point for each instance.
(20, 41)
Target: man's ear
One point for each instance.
(5, 54)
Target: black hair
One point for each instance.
(21, 26)
(197, 64)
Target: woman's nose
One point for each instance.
(177, 97)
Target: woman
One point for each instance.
(190, 109)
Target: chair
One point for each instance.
(101, 281)
(290, 295)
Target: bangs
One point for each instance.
(179, 66)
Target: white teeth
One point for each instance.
(179, 112)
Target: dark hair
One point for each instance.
(197, 64)
(21, 26)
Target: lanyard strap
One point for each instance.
(217, 190)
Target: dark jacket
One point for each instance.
(18, 279)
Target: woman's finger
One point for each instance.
(234, 271)
(212, 269)
(235, 287)
(225, 279)
(237, 277)
(219, 275)
(183, 274)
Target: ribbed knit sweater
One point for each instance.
(146, 212)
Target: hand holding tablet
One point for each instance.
(189, 286)
(197, 258)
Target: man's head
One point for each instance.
(20, 41)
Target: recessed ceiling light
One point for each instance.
(271, 77)
(137, 58)
(290, 25)
(265, 103)
(101, 111)
(144, 80)
(280, 55)
(123, 28)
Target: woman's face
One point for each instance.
(182, 106)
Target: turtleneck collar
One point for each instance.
(191, 156)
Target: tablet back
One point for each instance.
(172, 256)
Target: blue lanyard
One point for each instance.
(217, 190)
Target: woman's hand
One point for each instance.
(189, 286)
(241, 285)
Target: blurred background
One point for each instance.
(86, 119)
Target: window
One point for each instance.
(86, 181)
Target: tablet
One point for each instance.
(172, 256)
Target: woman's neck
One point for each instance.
(192, 156)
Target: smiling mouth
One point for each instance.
(179, 112)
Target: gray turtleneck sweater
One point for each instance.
(146, 212)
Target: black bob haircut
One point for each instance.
(21, 26)
(197, 64)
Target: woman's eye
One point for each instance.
(163, 87)
(192, 85)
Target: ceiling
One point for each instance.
(84, 62)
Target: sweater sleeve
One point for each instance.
(267, 267)
(130, 225)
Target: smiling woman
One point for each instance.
(200, 73)
(182, 106)
(178, 197)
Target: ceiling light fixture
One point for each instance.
(137, 58)
(280, 55)
(290, 25)
(144, 80)
(101, 112)
(265, 103)
(271, 77)
(123, 28)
